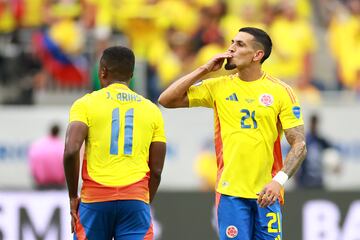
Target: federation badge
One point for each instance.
(266, 99)
(231, 231)
(296, 111)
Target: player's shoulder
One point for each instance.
(277, 83)
(142, 101)
(149, 108)
(217, 81)
(281, 89)
(222, 78)
(91, 97)
(83, 99)
(150, 104)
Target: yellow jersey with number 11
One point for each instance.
(122, 125)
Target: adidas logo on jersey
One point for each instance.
(232, 97)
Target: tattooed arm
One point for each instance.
(296, 138)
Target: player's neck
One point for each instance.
(250, 74)
(119, 81)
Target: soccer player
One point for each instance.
(124, 155)
(251, 109)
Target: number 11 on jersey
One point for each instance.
(128, 131)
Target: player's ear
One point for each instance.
(259, 54)
(103, 72)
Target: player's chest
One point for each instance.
(249, 108)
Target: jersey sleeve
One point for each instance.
(78, 111)
(159, 132)
(200, 94)
(290, 110)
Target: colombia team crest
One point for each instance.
(231, 231)
(266, 99)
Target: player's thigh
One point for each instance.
(268, 223)
(133, 221)
(96, 221)
(235, 219)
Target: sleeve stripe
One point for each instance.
(288, 89)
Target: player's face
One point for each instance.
(243, 51)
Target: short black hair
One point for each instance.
(119, 61)
(261, 37)
(54, 130)
(314, 119)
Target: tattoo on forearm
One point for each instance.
(296, 138)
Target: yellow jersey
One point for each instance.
(248, 121)
(121, 126)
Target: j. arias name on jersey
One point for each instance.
(126, 97)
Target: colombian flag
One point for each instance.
(68, 70)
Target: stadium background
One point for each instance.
(48, 55)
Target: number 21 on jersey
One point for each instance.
(245, 119)
(128, 131)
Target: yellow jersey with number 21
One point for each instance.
(248, 121)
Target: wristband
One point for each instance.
(281, 178)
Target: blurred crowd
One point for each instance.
(55, 44)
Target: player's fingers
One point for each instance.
(73, 213)
(273, 199)
(219, 62)
(72, 225)
(222, 56)
(264, 203)
(266, 200)
(260, 195)
(263, 200)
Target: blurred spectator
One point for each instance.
(32, 13)
(207, 52)
(60, 47)
(7, 16)
(208, 30)
(175, 60)
(46, 161)
(205, 166)
(8, 24)
(206, 169)
(139, 22)
(169, 36)
(27, 71)
(240, 15)
(172, 15)
(294, 45)
(344, 36)
(321, 156)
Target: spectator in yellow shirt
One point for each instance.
(344, 38)
(7, 17)
(294, 45)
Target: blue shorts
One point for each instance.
(121, 220)
(241, 218)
